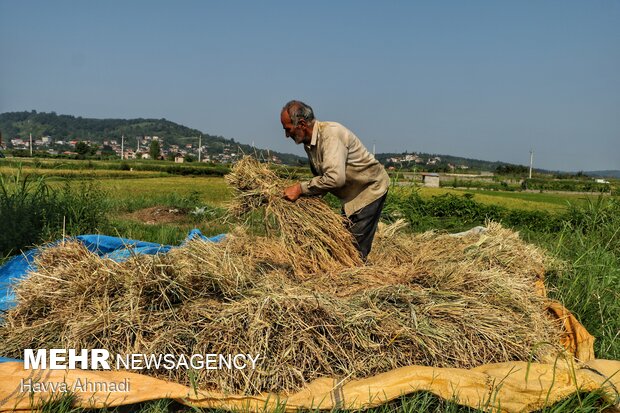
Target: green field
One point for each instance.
(518, 200)
(144, 192)
(584, 236)
(134, 193)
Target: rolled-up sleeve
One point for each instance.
(334, 154)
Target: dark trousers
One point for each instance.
(363, 224)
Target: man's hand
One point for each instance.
(292, 193)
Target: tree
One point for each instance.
(106, 150)
(154, 150)
(82, 148)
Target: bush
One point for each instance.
(454, 213)
(578, 185)
(490, 186)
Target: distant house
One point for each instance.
(179, 158)
(430, 180)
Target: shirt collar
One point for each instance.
(315, 133)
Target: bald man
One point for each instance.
(342, 166)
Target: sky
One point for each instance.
(489, 80)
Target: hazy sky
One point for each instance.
(481, 79)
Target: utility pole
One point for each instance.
(31, 145)
(122, 146)
(200, 148)
(531, 161)
(373, 148)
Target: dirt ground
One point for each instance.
(159, 215)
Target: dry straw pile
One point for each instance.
(298, 296)
(311, 234)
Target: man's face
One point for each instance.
(290, 130)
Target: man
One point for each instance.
(341, 165)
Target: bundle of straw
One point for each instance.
(315, 238)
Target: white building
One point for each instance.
(430, 180)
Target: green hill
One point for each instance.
(67, 128)
(448, 163)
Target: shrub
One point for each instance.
(451, 212)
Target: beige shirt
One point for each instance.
(342, 165)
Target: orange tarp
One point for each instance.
(512, 387)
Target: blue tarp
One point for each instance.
(118, 249)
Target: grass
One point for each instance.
(38, 203)
(516, 200)
(85, 173)
(132, 194)
(32, 212)
(589, 282)
(421, 402)
(210, 193)
(169, 234)
(50, 166)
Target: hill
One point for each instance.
(604, 174)
(447, 163)
(53, 133)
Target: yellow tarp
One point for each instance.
(515, 387)
(511, 387)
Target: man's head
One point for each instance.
(297, 120)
